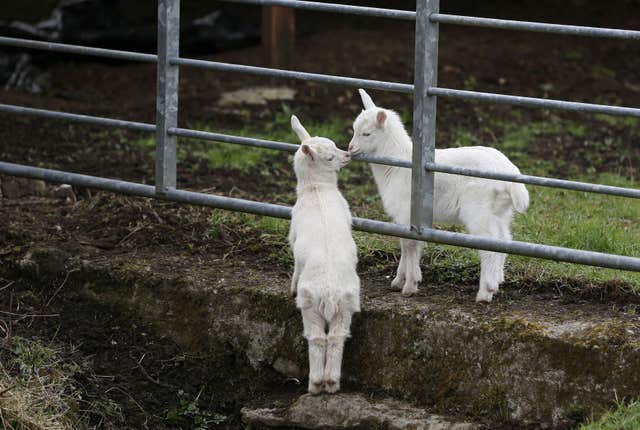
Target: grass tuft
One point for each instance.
(39, 390)
(623, 417)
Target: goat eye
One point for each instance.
(366, 134)
(330, 158)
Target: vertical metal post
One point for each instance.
(167, 93)
(424, 114)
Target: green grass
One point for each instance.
(556, 217)
(242, 158)
(623, 417)
(583, 221)
(39, 389)
(215, 154)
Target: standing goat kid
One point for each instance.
(484, 207)
(324, 276)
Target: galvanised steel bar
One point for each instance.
(118, 123)
(527, 249)
(270, 144)
(288, 147)
(238, 140)
(167, 93)
(534, 102)
(536, 180)
(371, 226)
(79, 50)
(290, 74)
(424, 114)
(433, 167)
(333, 7)
(539, 27)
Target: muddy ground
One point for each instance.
(104, 226)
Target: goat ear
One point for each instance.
(381, 117)
(306, 149)
(367, 102)
(299, 129)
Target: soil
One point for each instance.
(144, 371)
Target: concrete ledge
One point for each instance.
(533, 361)
(349, 411)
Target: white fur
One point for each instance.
(324, 277)
(485, 207)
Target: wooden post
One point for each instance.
(278, 35)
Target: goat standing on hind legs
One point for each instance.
(485, 207)
(325, 281)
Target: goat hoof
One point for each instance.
(410, 291)
(315, 388)
(396, 284)
(331, 386)
(484, 297)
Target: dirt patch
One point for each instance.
(150, 375)
(155, 383)
(496, 61)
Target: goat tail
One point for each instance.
(519, 197)
(328, 308)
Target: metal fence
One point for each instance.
(426, 92)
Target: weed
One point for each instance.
(39, 389)
(623, 417)
(189, 413)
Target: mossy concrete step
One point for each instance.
(349, 411)
(528, 357)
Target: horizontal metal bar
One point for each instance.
(539, 27)
(534, 102)
(435, 167)
(527, 249)
(79, 50)
(270, 144)
(118, 123)
(238, 140)
(536, 180)
(371, 226)
(290, 74)
(333, 7)
(289, 147)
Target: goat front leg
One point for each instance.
(413, 274)
(339, 329)
(398, 282)
(317, 339)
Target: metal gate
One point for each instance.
(426, 92)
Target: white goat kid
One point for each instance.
(324, 277)
(484, 207)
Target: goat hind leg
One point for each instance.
(505, 234)
(413, 273)
(491, 263)
(338, 331)
(398, 282)
(314, 331)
